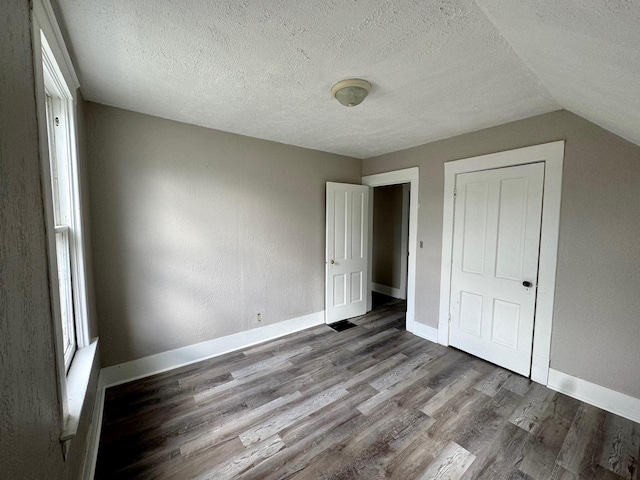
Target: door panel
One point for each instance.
(339, 289)
(506, 323)
(346, 250)
(495, 249)
(339, 221)
(357, 225)
(471, 313)
(511, 228)
(475, 227)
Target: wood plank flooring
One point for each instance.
(370, 402)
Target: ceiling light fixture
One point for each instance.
(351, 92)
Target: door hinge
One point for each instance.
(449, 318)
(455, 192)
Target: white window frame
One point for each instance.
(55, 76)
(59, 142)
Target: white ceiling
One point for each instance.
(585, 52)
(439, 68)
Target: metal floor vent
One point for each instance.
(342, 325)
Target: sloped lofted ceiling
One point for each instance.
(439, 68)
(586, 53)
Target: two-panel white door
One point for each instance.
(496, 243)
(347, 251)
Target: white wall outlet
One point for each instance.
(259, 317)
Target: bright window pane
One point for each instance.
(66, 294)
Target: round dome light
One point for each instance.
(351, 92)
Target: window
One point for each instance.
(62, 196)
(56, 87)
(60, 170)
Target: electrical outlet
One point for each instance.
(259, 317)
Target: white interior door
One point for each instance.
(496, 242)
(347, 251)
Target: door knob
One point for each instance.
(332, 261)
(527, 284)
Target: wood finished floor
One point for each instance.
(370, 402)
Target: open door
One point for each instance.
(347, 251)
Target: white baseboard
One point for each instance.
(423, 331)
(596, 395)
(386, 290)
(162, 362)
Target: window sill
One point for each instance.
(77, 383)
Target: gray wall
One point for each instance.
(387, 235)
(195, 231)
(596, 325)
(30, 420)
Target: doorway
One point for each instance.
(479, 320)
(349, 236)
(410, 178)
(496, 236)
(390, 242)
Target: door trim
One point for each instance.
(411, 176)
(404, 246)
(552, 154)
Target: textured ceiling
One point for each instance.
(586, 53)
(439, 68)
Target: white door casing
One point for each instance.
(396, 177)
(494, 269)
(347, 251)
(404, 247)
